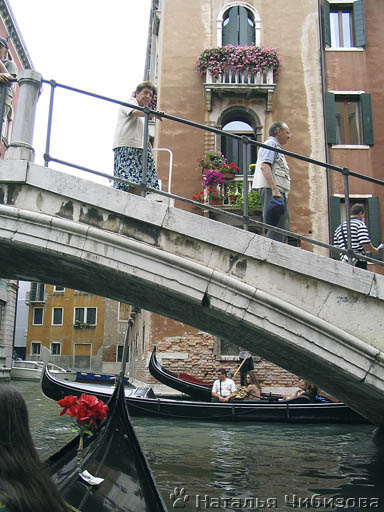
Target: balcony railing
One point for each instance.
(240, 81)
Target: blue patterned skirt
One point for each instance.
(128, 165)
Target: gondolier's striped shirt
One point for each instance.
(359, 235)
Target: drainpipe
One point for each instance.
(324, 90)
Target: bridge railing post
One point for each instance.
(52, 83)
(244, 144)
(347, 215)
(20, 147)
(145, 155)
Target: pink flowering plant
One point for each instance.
(248, 58)
(212, 178)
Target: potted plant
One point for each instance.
(212, 160)
(212, 178)
(215, 196)
(228, 171)
(80, 325)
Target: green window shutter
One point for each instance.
(366, 118)
(359, 23)
(334, 221)
(246, 31)
(33, 290)
(231, 29)
(41, 291)
(327, 24)
(330, 117)
(374, 224)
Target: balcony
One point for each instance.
(239, 70)
(235, 81)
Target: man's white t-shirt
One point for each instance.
(224, 387)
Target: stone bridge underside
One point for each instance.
(316, 317)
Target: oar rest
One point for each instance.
(143, 392)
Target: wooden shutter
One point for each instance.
(334, 221)
(359, 23)
(231, 30)
(366, 119)
(33, 291)
(246, 31)
(41, 292)
(327, 24)
(373, 223)
(330, 117)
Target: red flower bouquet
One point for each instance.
(86, 411)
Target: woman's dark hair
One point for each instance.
(24, 484)
(253, 379)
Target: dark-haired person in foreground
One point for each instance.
(223, 388)
(24, 484)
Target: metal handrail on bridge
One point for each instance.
(244, 140)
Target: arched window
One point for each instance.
(240, 123)
(238, 26)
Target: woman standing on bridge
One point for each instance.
(128, 142)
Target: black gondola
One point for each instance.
(188, 385)
(143, 402)
(112, 453)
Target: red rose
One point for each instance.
(85, 409)
(68, 402)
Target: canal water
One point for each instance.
(246, 466)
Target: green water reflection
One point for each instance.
(237, 461)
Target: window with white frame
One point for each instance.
(37, 316)
(57, 316)
(35, 348)
(85, 315)
(58, 289)
(349, 118)
(344, 23)
(56, 348)
(239, 24)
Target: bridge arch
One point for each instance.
(225, 281)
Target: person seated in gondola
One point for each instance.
(223, 388)
(251, 390)
(305, 389)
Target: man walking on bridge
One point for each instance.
(360, 240)
(273, 181)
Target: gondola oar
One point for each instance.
(240, 366)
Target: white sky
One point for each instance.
(94, 45)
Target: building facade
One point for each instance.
(328, 91)
(8, 289)
(75, 329)
(353, 98)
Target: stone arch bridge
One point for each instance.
(314, 316)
